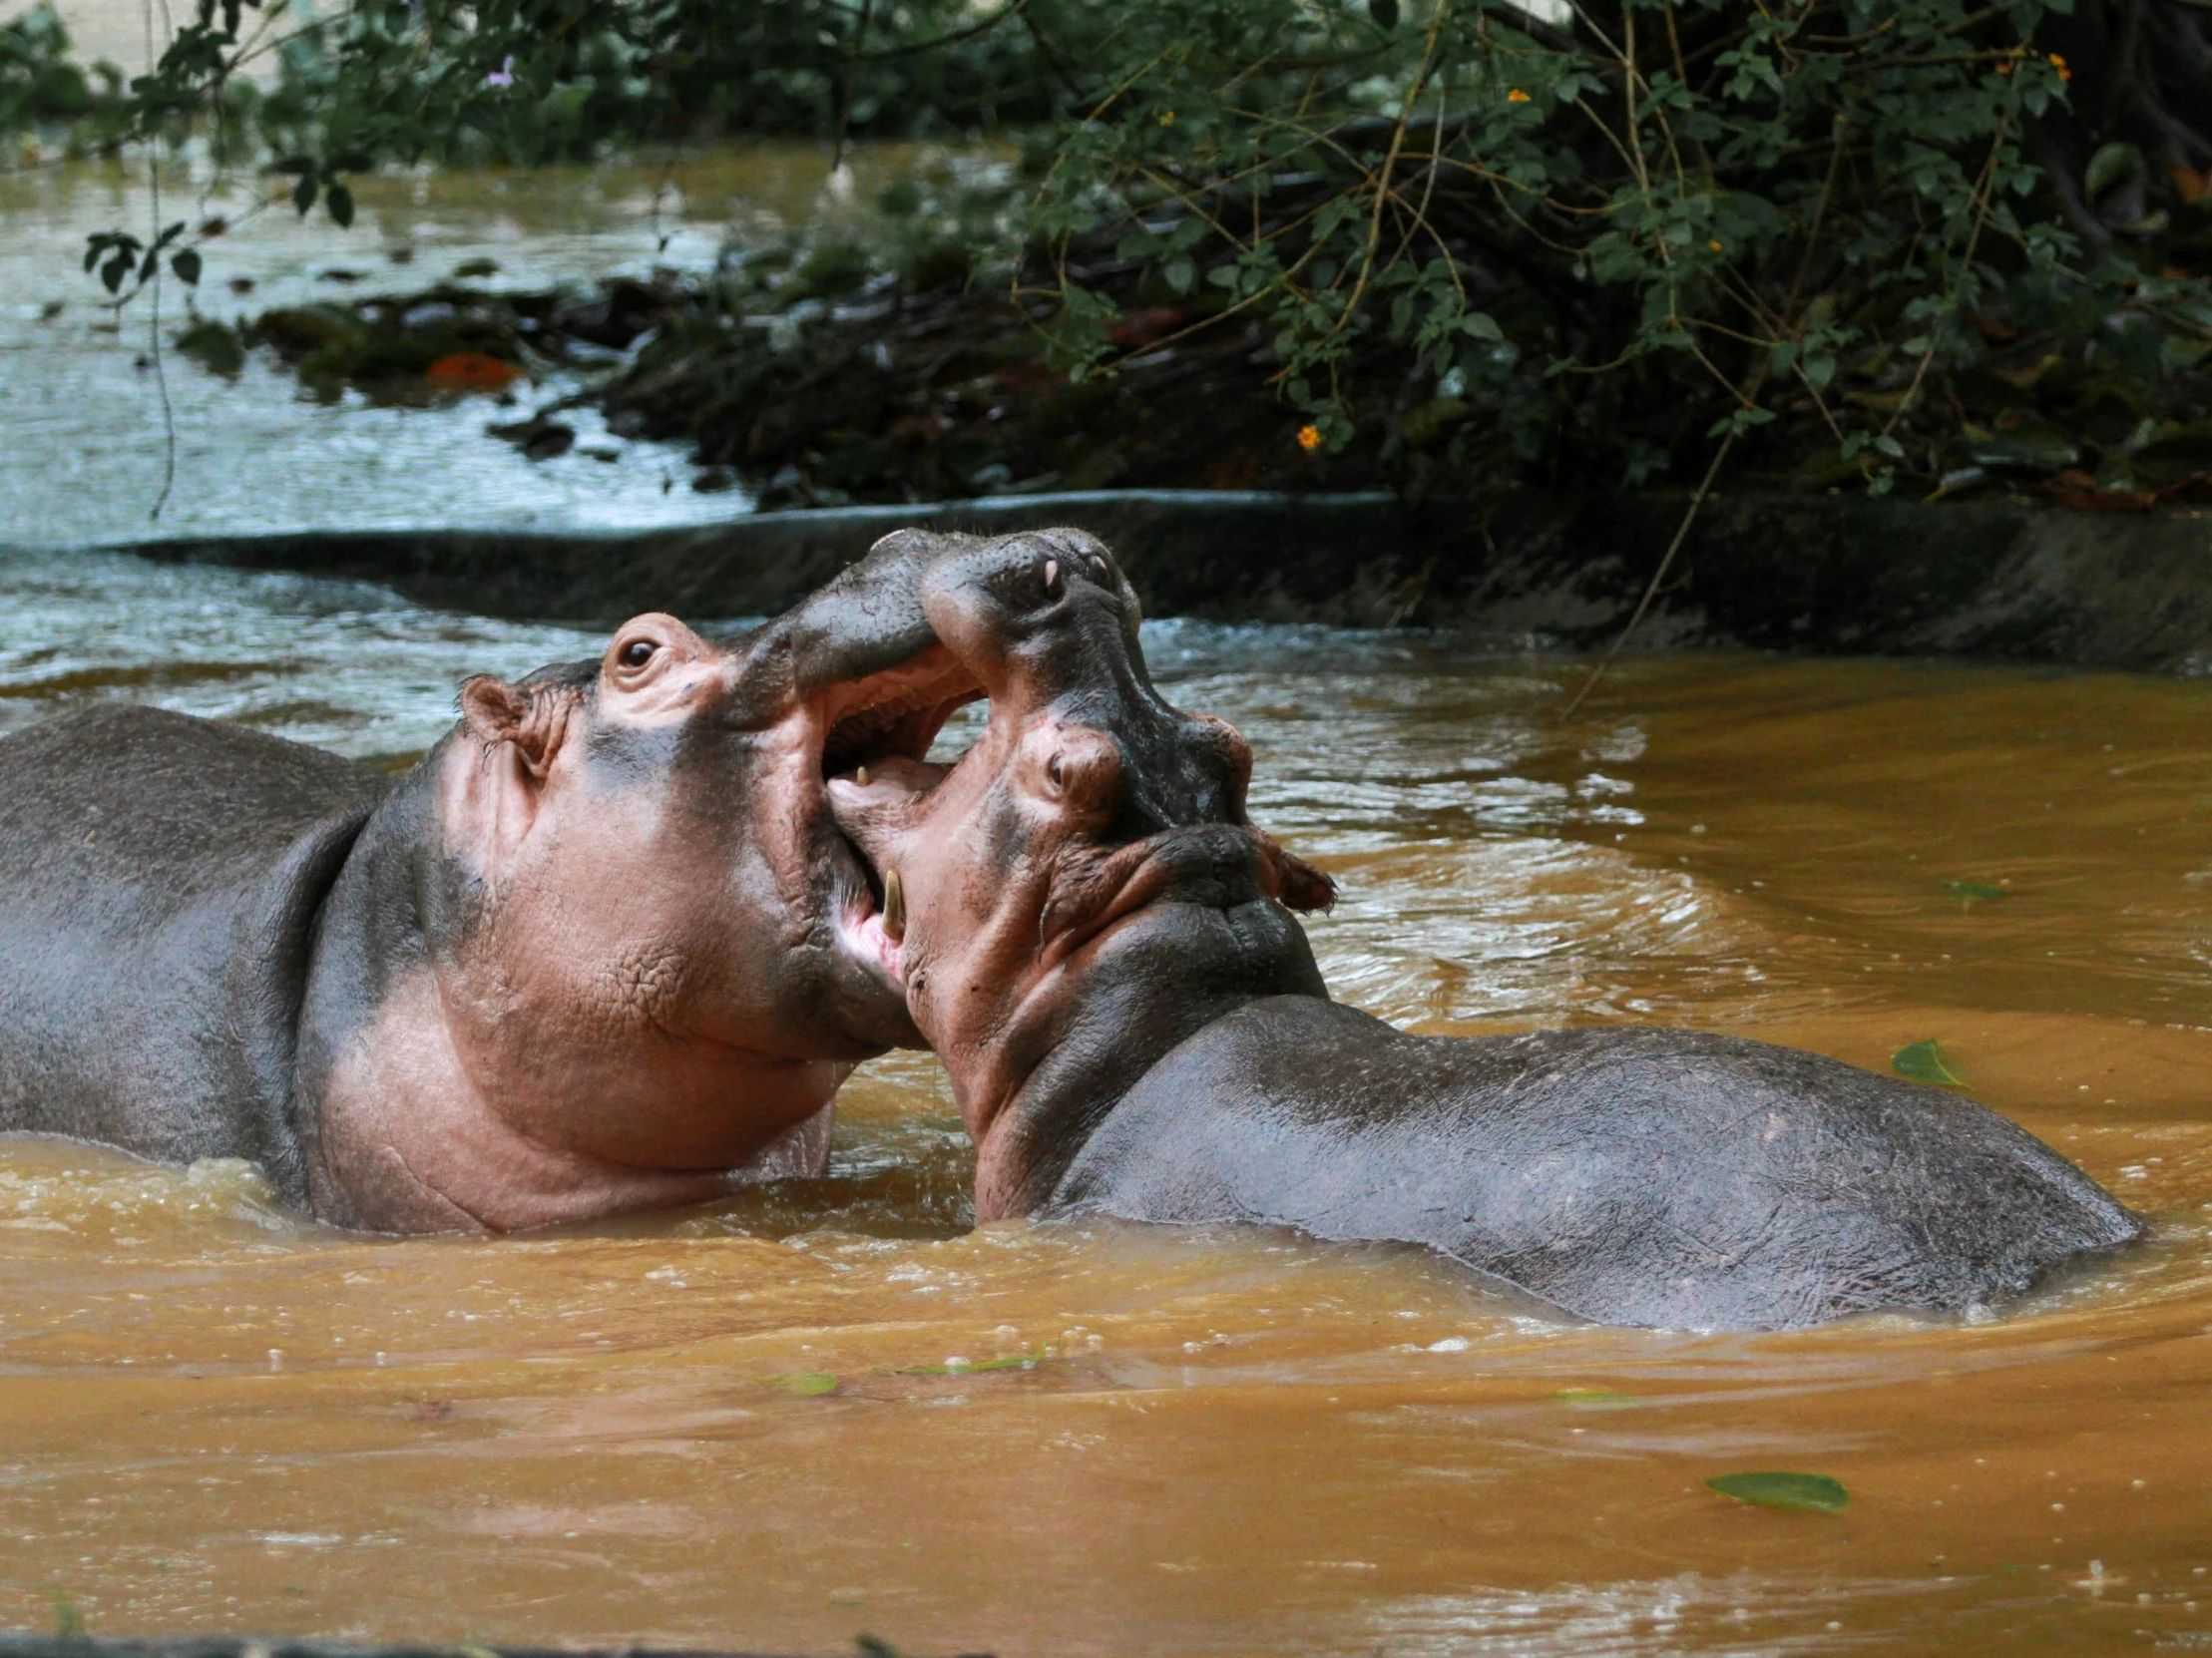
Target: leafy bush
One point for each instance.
(39, 84)
(1651, 228)
(1580, 240)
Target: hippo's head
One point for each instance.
(654, 825)
(1079, 890)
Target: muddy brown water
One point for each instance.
(837, 1407)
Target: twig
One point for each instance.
(1985, 191)
(852, 79)
(917, 46)
(1681, 534)
(153, 312)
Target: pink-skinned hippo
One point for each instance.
(1103, 952)
(604, 949)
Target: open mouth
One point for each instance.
(877, 736)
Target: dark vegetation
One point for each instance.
(1853, 245)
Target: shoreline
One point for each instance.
(1833, 575)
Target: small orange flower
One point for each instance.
(2059, 64)
(1309, 438)
(2004, 69)
(1715, 245)
(1517, 96)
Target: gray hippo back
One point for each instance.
(1654, 1177)
(159, 881)
(1100, 948)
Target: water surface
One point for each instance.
(84, 455)
(765, 1424)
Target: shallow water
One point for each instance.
(85, 453)
(215, 1416)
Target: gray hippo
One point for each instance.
(603, 949)
(1102, 950)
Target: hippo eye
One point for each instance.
(638, 653)
(1051, 770)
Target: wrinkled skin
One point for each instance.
(1102, 950)
(603, 949)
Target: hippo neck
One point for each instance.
(369, 938)
(1125, 1017)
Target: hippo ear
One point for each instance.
(532, 718)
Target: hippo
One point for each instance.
(603, 949)
(1103, 951)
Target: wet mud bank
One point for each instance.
(1825, 573)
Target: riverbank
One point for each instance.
(1817, 573)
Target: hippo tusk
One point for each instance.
(1051, 577)
(894, 906)
(861, 776)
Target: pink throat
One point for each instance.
(867, 940)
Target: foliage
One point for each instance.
(1600, 241)
(1636, 236)
(40, 85)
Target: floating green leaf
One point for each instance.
(810, 1384)
(1925, 1062)
(1971, 893)
(69, 1623)
(1813, 1494)
(1595, 1398)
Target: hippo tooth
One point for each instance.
(1051, 576)
(861, 776)
(894, 906)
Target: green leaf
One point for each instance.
(807, 1383)
(1925, 1062)
(2109, 167)
(186, 263)
(1811, 1493)
(339, 202)
(469, 270)
(1384, 12)
(1595, 1398)
(303, 195)
(1971, 893)
(69, 1622)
